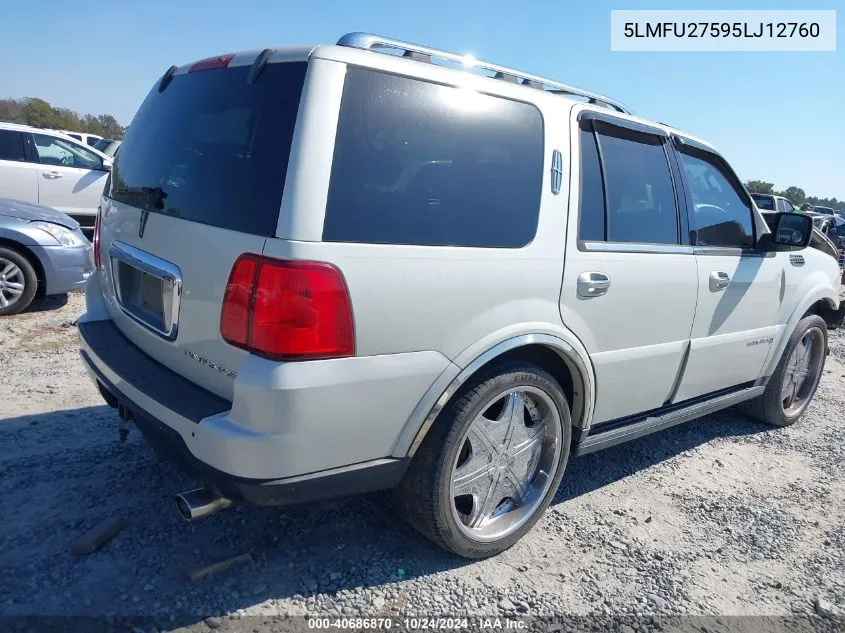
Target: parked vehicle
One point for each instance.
(552, 276)
(42, 252)
(833, 227)
(87, 139)
(50, 169)
(768, 202)
(824, 210)
(107, 146)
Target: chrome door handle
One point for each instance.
(719, 280)
(52, 175)
(593, 284)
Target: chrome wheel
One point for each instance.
(12, 283)
(803, 371)
(506, 463)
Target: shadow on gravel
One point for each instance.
(46, 304)
(68, 470)
(590, 472)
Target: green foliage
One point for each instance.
(759, 186)
(796, 195)
(39, 113)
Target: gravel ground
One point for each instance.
(721, 516)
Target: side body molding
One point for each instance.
(439, 394)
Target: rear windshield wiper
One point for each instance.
(152, 195)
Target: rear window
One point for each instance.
(426, 164)
(213, 149)
(766, 203)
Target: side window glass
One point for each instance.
(56, 151)
(641, 198)
(721, 215)
(11, 145)
(592, 222)
(782, 205)
(425, 164)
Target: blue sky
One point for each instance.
(776, 116)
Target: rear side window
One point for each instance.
(640, 196)
(592, 221)
(420, 163)
(722, 217)
(11, 145)
(213, 149)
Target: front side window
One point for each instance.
(11, 145)
(56, 151)
(641, 205)
(721, 217)
(426, 164)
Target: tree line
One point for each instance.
(796, 195)
(39, 113)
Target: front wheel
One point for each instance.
(793, 384)
(18, 282)
(491, 463)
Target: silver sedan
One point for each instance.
(42, 252)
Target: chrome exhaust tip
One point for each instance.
(199, 503)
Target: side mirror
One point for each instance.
(790, 232)
(106, 166)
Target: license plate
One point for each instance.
(147, 288)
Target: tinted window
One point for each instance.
(721, 217)
(640, 195)
(591, 223)
(11, 145)
(78, 137)
(212, 148)
(57, 151)
(420, 163)
(764, 203)
(91, 140)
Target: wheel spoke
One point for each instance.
(3, 301)
(472, 477)
(12, 290)
(483, 505)
(8, 269)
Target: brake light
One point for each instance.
(96, 240)
(210, 63)
(287, 310)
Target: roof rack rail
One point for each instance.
(368, 41)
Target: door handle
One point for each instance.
(719, 280)
(52, 175)
(593, 284)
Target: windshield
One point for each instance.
(212, 148)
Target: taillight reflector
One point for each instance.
(96, 240)
(210, 63)
(287, 310)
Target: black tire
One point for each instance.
(30, 281)
(424, 495)
(768, 407)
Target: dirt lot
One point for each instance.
(721, 516)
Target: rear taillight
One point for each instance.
(96, 240)
(287, 310)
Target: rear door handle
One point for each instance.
(52, 175)
(719, 280)
(593, 284)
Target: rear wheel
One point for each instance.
(491, 463)
(793, 384)
(18, 282)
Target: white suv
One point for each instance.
(51, 169)
(330, 270)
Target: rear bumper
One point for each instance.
(171, 411)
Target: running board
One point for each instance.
(656, 423)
